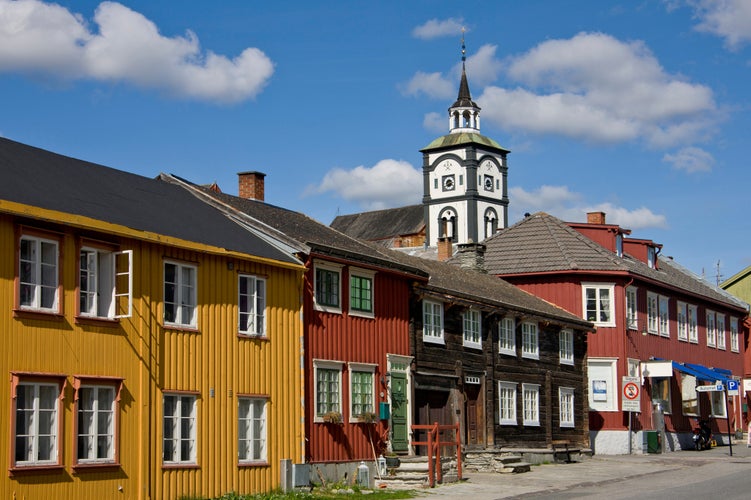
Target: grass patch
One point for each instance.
(340, 493)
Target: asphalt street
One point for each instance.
(605, 473)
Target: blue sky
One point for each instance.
(640, 109)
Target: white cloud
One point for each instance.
(434, 85)
(567, 205)
(437, 28)
(691, 159)
(45, 39)
(482, 67)
(389, 183)
(597, 88)
(729, 19)
(435, 122)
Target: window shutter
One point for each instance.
(123, 284)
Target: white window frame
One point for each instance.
(531, 405)
(632, 308)
(681, 309)
(252, 430)
(664, 315)
(331, 406)
(251, 306)
(734, 337)
(668, 407)
(566, 408)
(432, 312)
(711, 329)
(689, 396)
(602, 372)
(107, 290)
(530, 340)
(472, 328)
(653, 313)
(37, 272)
(507, 336)
(335, 269)
(34, 433)
(185, 295)
(599, 310)
(369, 277)
(693, 325)
(94, 432)
(721, 335)
(186, 408)
(366, 368)
(566, 346)
(507, 403)
(718, 408)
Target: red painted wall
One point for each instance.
(345, 338)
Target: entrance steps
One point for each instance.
(412, 474)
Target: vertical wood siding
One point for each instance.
(346, 338)
(151, 359)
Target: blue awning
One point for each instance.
(714, 373)
(700, 375)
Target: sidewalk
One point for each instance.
(549, 478)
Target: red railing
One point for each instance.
(434, 444)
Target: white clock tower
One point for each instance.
(464, 177)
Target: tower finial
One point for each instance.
(464, 49)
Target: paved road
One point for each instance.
(620, 476)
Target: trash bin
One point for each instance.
(652, 442)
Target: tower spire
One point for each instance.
(464, 114)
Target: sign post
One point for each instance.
(630, 400)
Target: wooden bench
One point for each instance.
(562, 446)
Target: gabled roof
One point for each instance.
(309, 234)
(38, 178)
(382, 224)
(541, 243)
(488, 290)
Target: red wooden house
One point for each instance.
(355, 323)
(655, 320)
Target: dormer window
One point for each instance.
(619, 245)
(651, 257)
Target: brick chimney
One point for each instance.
(445, 248)
(595, 217)
(251, 185)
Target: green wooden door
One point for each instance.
(400, 432)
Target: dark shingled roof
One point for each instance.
(39, 178)
(382, 224)
(309, 234)
(542, 243)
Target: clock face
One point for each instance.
(488, 183)
(448, 183)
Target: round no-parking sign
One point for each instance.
(630, 400)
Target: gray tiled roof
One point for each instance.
(39, 178)
(480, 287)
(541, 243)
(381, 224)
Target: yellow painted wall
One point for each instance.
(150, 359)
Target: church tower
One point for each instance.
(465, 194)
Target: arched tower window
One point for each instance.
(491, 222)
(447, 224)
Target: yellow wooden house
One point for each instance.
(151, 346)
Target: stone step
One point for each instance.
(516, 468)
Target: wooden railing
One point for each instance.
(434, 444)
